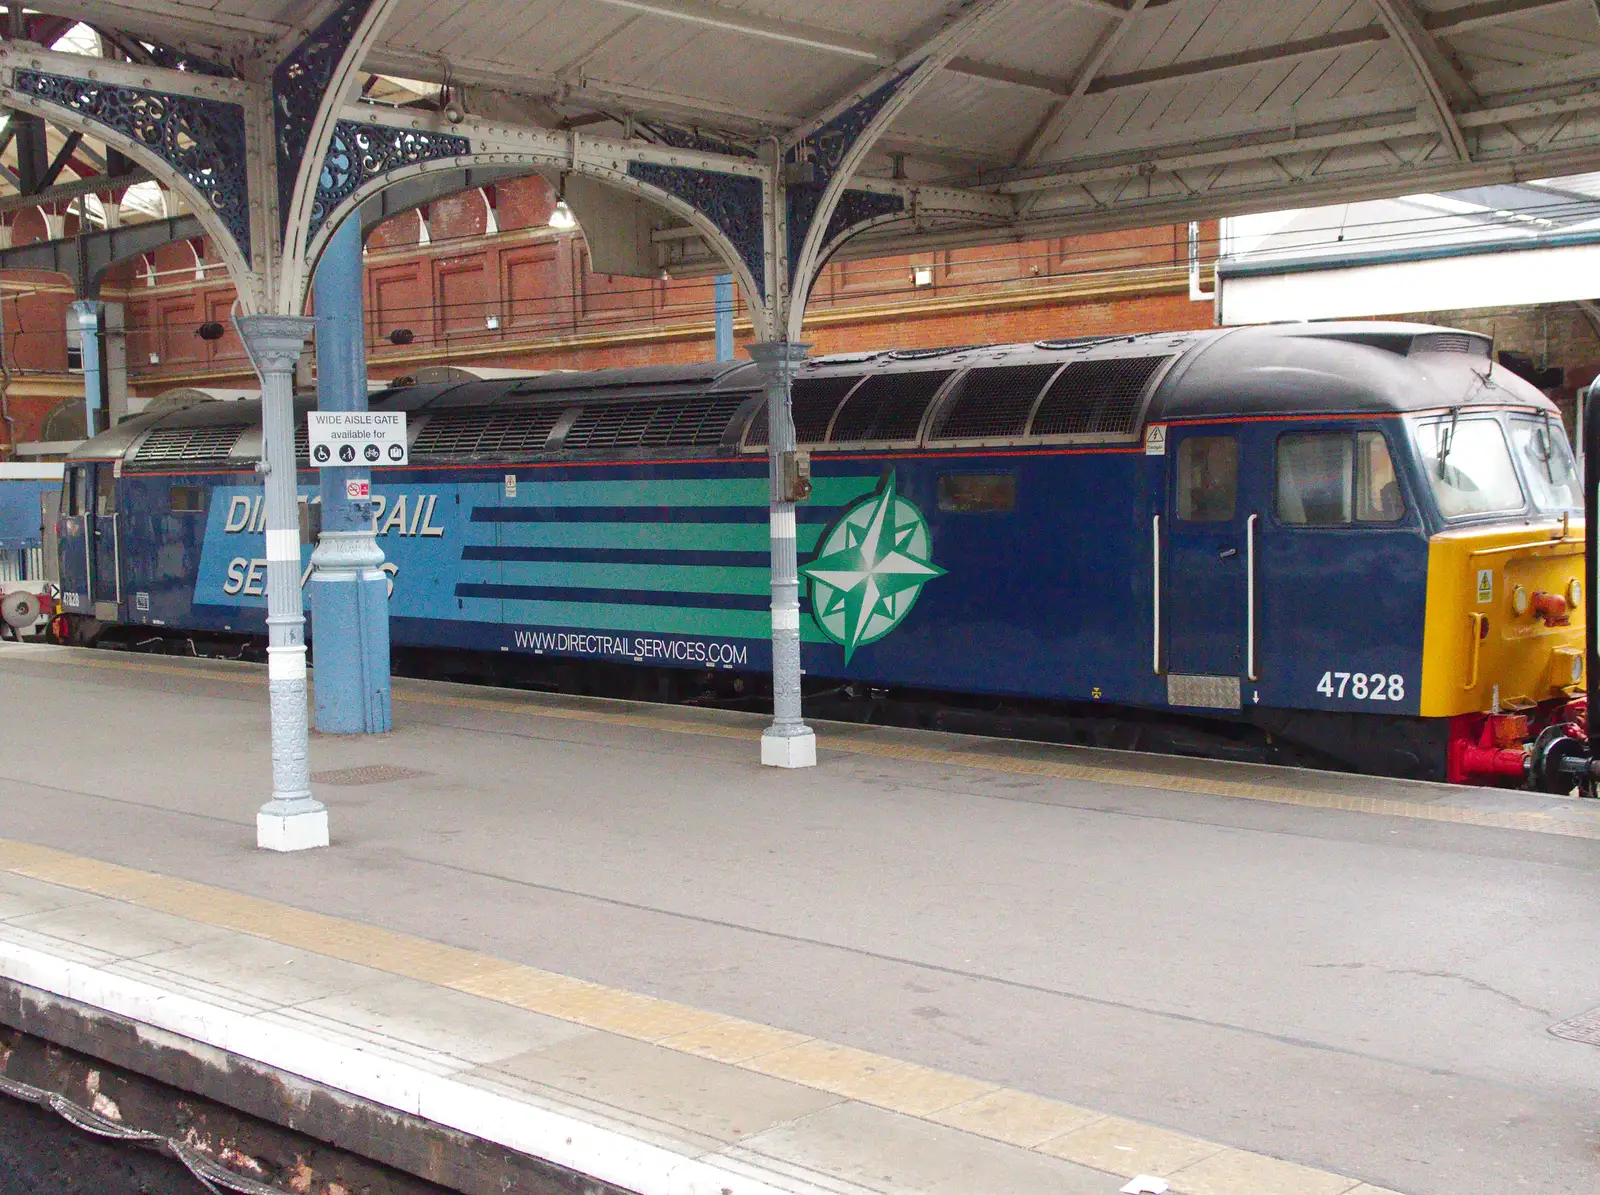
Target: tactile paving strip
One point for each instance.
(1584, 1027)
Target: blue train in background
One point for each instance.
(1345, 544)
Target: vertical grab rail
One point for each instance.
(1155, 595)
(1250, 596)
(1477, 621)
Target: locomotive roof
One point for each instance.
(1089, 389)
(1336, 367)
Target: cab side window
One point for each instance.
(1208, 479)
(75, 494)
(1334, 479)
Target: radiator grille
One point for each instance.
(887, 406)
(1095, 397)
(992, 402)
(813, 402)
(1450, 342)
(189, 445)
(698, 421)
(486, 432)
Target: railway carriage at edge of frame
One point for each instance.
(1355, 545)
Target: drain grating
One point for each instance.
(1584, 1027)
(378, 773)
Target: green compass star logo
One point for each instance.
(869, 569)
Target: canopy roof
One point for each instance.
(1083, 113)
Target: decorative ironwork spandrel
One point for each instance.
(298, 86)
(202, 139)
(857, 207)
(358, 153)
(730, 201)
(825, 149)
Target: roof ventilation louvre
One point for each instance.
(812, 402)
(696, 421)
(1449, 342)
(1098, 397)
(887, 407)
(302, 441)
(486, 431)
(992, 402)
(189, 445)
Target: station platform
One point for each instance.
(600, 933)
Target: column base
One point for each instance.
(793, 750)
(298, 829)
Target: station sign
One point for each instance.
(356, 439)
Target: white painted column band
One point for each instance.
(286, 663)
(782, 522)
(786, 619)
(283, 545)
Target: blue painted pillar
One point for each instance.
(724, 306)
(88, 312)
(349, 590)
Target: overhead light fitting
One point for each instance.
(562, 219)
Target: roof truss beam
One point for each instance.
(1442, 86)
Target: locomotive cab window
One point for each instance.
(1335, 479)
(971, 493)
(1208, 479)
(75, 494)
(187, 499)
(1541, 448)
(1469, 467)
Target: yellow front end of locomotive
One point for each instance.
(1506, 612)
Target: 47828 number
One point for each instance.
(1363, 686)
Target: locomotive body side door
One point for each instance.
(1204, 574)
(105, 571)
(74, 533)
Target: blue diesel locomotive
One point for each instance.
(1346, 544)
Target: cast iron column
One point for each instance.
(722, 290)
(788, 742)
(292, 820)
(349, 590)
(87, 313)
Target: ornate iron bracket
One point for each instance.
(824, 150)
(202, 139)
(359, 153)
(857, 207)
(730, 201)
(298, 86)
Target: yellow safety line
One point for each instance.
(1108, 1143)
(845, 738)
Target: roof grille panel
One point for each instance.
(887, 406)
(1449, 342)
(600, 428)
(486, 431)
(211, 443)
(1096, 397)
(697, 422)
(694, 421)
(302, 441)
(992, 402)
(813, 402)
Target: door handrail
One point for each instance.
(1477, 620)
(1250, 596)
(1155, 596)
